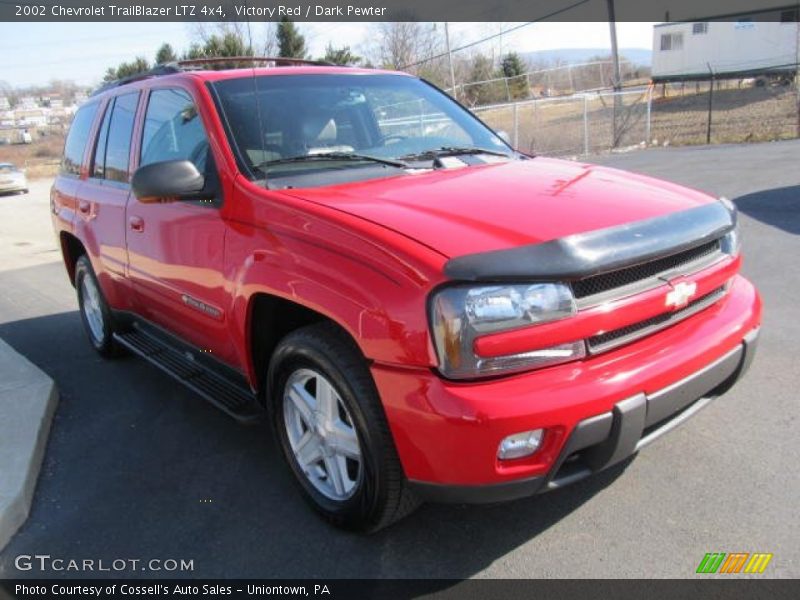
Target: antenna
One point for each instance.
(256, 99)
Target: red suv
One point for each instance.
(421, 312)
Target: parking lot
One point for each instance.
(139, 467)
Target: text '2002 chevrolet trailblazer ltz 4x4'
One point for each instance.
(421, 312)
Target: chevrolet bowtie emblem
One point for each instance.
(679, 296)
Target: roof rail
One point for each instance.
(275, 61)
(192, 64)
(156, 71)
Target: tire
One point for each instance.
(372, 493)
(95, 313)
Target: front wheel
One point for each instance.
(332, 430)
(95, 313)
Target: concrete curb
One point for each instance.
(28, 400)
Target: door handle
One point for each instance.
(84, 207)
(136, 223)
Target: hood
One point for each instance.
(505, 205)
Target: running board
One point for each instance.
(227, 395)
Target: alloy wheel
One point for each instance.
(322, 435)
(92, 308)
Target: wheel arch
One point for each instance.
(270, 318)
(71, 250)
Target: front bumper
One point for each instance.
(604, 440)
(13, 186)
(595, 413)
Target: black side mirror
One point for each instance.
(168, 181)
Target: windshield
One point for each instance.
(7, 168)
(375, 124)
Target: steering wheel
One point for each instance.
(396, 137)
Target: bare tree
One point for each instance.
(409, 46)
(262, 40)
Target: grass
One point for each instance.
(39, 159)
(556, 127)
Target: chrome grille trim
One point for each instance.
(630, 333)
(709, 254)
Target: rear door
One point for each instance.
(176, 250)
(64, 196)
(105, 193)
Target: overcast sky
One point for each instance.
(35, 53)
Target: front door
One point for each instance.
(176, 249)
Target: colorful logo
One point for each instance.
(736, 562)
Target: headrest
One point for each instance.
(319, 129)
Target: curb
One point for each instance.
(28, 400)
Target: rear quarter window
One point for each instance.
(77, 138)
(114, 141)
(120, 132)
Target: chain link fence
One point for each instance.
(701, 112)
(720, 111)
(559, 80)
(573, 125)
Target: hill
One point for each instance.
(638, 56)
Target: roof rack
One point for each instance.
(196, 64)
(156, 71)
(275, 61)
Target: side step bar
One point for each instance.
(231, 397)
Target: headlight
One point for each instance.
(462, 313)
(731, 242)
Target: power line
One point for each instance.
(496, 35)
(101, 38)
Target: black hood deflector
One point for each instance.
(595, 252)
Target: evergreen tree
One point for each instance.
(291, 43)
(165, 54)
(513, 69)
(138, 65)
(340, 56)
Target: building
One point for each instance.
(28, 102)
(31, 117)
(743, 45)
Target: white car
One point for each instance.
(12, 179)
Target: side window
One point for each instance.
(77, 138)
(120, 132)
(99, 162)
(173, 130)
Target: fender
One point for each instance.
(372, 286)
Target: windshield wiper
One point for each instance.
(453, 151)
(333, 156)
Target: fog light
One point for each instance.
(520, 444)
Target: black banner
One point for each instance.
(342, 589)
(387, 10)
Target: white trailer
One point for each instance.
(733, 48)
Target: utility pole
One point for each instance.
(710, 102)
(612, 24)
(797, 62)
(450, 60)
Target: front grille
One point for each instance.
(617, 279)
(623, 335)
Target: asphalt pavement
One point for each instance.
(139, 468)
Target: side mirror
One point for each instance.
(167, 181)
